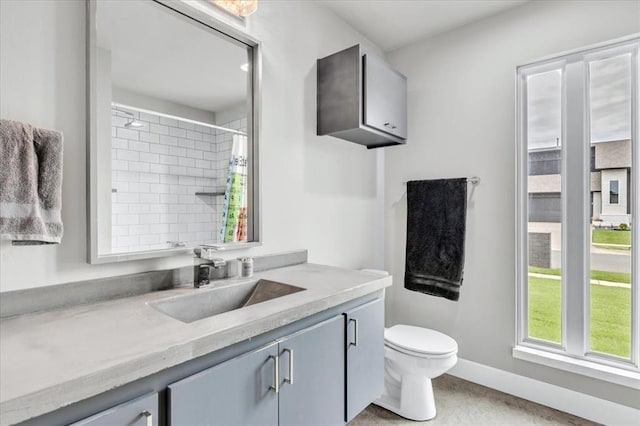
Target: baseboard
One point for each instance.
(569, 401)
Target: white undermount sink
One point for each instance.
(204, 303)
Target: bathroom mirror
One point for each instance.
(173, 131)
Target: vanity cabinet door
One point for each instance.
(142, 411)
(312, 375)
(385, 97)
(365, 356)
(236, 392)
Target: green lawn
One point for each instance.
(610, 236)
(610, 315)
(616, 277)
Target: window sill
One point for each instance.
(587, 368)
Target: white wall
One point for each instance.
(461, 123)
(317, 192)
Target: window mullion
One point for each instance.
(574, 186)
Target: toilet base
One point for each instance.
(412, 398)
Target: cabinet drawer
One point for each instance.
(142, 411)
(385, 97)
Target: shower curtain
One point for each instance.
(234, 213)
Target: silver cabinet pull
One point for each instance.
(148, 416)
(355, 332)
(276, 374)
(290, 378)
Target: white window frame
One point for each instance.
(617, 191)
(572, 353)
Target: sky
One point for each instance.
(610, 103)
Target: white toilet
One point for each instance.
(414, 356)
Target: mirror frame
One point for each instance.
(203, 14)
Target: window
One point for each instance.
(577, 247)
(613, 192)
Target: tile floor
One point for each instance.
(460, 402)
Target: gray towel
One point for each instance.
(436, 223)
(30, 184)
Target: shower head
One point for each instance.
(134, 124)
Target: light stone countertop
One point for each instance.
(52, 359)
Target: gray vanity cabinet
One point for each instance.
(365, 356)
(142, 411)
(237, 392)
(314, 359)
(308, 387)
(361, 99)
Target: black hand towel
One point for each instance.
(436, 219)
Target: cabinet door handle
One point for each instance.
(355, 332)
(290, 378)
(389, 125)
(148, 416)
(276, 374)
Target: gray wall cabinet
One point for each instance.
(361, 99)
(365, 356)
(142, 411)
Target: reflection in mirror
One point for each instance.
(172, 132)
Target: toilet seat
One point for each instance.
(420, 342)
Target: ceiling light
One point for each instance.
(237, 7)
(244, 67)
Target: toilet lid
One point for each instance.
(420, 340)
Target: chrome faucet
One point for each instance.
(206, 268)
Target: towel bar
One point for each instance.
(474, 180)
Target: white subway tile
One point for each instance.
(169, 121)
(139, 146)
(149, 178)
(119, 143)
(209, 138)
(178, 227)
(185, 125)
(193, 153)
(209, 155)
(118, 121)
(132, 135)
(149, 158)
(119, 165)
(180, 133)
(150, 198)
(186, 143)
(186, 199)
(168, 159)
(187, 162)
(139, 229)
(168, 198)
(138, 167)
(149, 137)
(169, 218)
(159, 168)
(159, 149)
(195, 227)
(139, 187)
(149, 218)
(187, 236)
(174, 150)
(131, 240)
(159, 228)
(177, 170)
(179, 189)
(117, 208)
(125, 154)
(128, 176)
(150, 118)
(119, 230)
(159, 188)
(150, 239)
(128, 197)
(178, 208)
(203, 129)
(128, 219)
(139, 208)
(194, 208)
(194, 172)
(196, 136)
(168, 140)
(203, 164)
(159, 129)
(202, 217)
(169, 179)
(120, 186)
(159, 208)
